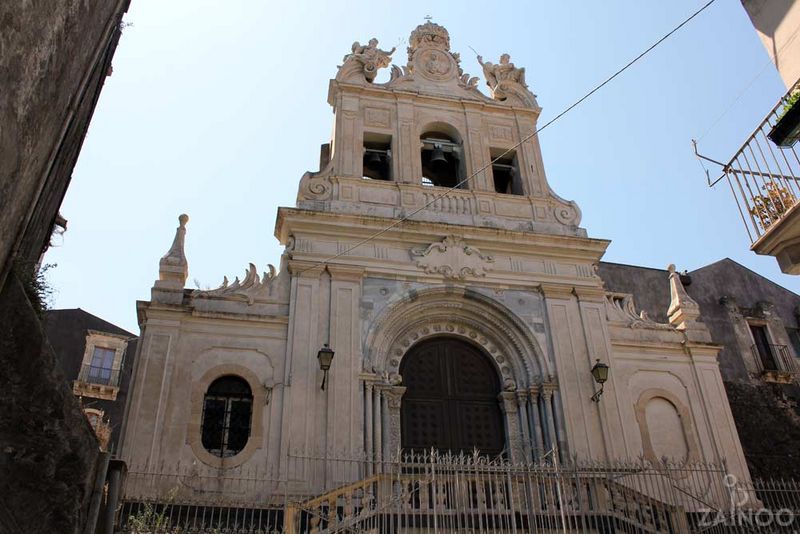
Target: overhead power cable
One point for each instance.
(523, 140)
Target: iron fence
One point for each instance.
(459, 493)
(778, 360)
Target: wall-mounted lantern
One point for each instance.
(600, 375)
(325, 358)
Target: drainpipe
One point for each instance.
(97, 492)
(116, 472)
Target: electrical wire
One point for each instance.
(523, 140)
(747, 87)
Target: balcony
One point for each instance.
(776, 363)
(97, 382)
(763, 177)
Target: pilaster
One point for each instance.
(508, 404)
(394, 396)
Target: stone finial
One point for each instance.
(173, 267)
(684, 312)
(682, 309)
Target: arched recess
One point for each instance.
(442, 155)
(458, 312)
(655, 425)
(529, 398)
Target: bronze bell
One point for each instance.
(437, 157)
(373, 158)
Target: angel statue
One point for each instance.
(503, 71)
(507, 82)
(365, 58)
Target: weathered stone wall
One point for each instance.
(47, 448)
(768, 420)
(55, 59)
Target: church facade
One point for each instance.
(458, 293)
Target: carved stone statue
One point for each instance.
(503, 71)
(365, 60)
(507, 82)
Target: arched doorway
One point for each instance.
(450, 403)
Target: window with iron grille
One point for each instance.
(101, 366)
(227, 410)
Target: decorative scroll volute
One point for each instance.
(453, 258)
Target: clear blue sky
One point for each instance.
(216, 109)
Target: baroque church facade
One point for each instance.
(459, 294)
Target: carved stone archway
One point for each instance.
(462, 312)
(458, 312)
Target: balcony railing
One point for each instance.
(780, 356)
(763, 176)
(90, 374)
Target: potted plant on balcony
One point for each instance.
(786, 131)
(771, 206)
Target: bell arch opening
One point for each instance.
(441, 156)
(451, 402)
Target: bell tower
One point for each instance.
(398, 144)
(431, 220)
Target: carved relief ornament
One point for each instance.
(453, 258)
(252, 288)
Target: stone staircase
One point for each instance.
(472, 499)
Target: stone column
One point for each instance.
(378, 430)
(535, 421)
(394, 396)
(508, 404)
(522, 404)
(368, 440)
(547, 396)
(559, 422)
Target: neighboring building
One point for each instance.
(54, 62)
(763, 174)
(96, 357)
(473, 324)
(777, 23)
(756, 322)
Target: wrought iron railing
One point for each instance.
(763, 176)
(466, 493)
(778, 358)
(103, 376)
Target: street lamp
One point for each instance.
(600, 375)
(325, 358)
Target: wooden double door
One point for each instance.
(451, 401)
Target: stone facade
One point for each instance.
(377, 262)
(765, 404)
